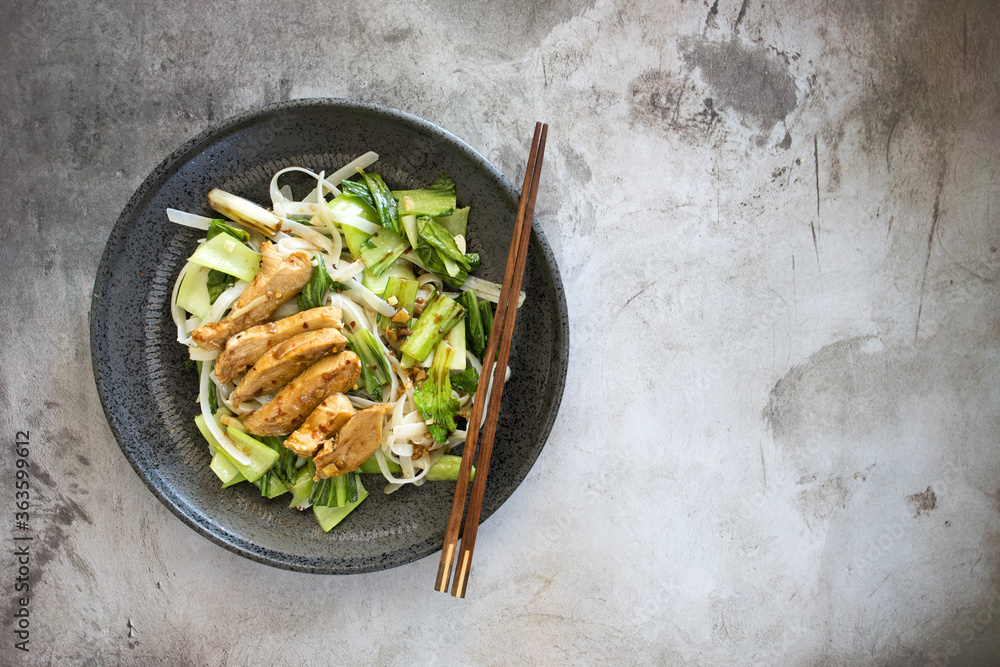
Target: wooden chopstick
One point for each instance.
(491, 381)
(482, 389)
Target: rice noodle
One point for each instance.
(430, 279)
(290, 244)
(354, 221)
(361, 292)
(310, 234)
(176, 312)
(213, 426)
(488, 290)
(347, 272)
(351, 168)
(246, 308)
(224, 301)
(196, 353)
(188, 219)
(278, 197)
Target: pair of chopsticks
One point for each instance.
(500, 338)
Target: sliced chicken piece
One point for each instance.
(246, 347)
(354, 443)
(277, 281)
(286, 360)
(322, 424)
(292, 404)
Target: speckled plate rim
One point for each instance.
(181, 506)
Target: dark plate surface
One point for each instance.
(148, 392)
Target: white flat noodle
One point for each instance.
(225, 300)
(403, 449)
(308, 233)
(472, 361)
(228, 445)
(188, 219)
(278, 194)
(300, 209)
(432, 279)
(412, 417)
(410, 430)
(372, 300)
(488, 290)
(176, 312)
(380, 458)
(406, 464)
(347, 272)
(351, 168)
(291, 244)
(323, 211)
(355, 221)
(196, 353)
(286, 309)
(432, 458)
(352, 311)
(360, 403)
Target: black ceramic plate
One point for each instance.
(149, 393)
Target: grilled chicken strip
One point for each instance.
(322, 424)
(277, 281)
(292, 404)
(246, 347)
(354, 443)
(286, 360)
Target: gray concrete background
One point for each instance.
(777, 223)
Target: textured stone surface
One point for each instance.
(777, 224)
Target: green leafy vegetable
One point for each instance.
(401, 293)
(435, 200)
(447, 468)
(434, 398)
(193, 295)
(347, 206)
(220, 226)
(262, 457)
(270, 486)
(457, 222)
(213, 401)
(486, 315)
(375, 370)
(466, 381)
(301, 487)
(328, 517)
(438, 237)
(285, 468)
(439, 252)
(224, 468)
(439, 316)
(444, 470)
(335, 491)
(385, 204)
(358, 190)
(315, 290)
(475, 336)
(381, 249)
(218, 282)
(226, 253)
